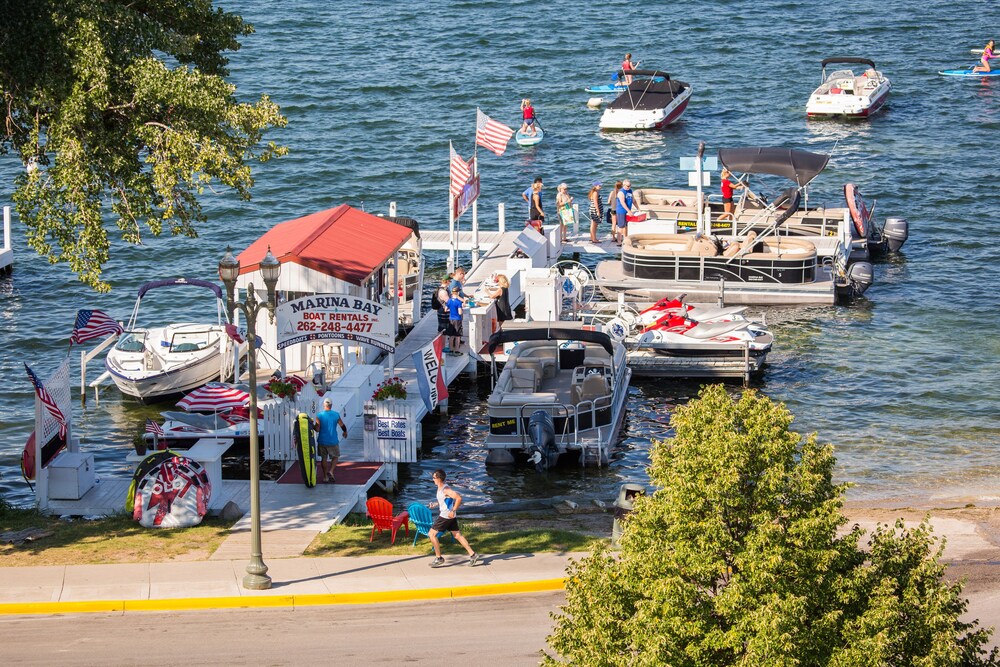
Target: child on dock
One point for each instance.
(454, 331)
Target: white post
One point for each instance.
(701, 203)
(576, 219)
(451, 233)
(392, 209)
(6, 227)
(475, 217)
(501, 219)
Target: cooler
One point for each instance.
(71, 475)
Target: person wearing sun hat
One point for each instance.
(596, 209)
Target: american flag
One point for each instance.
(46, 398)
(153, 427)
(93, 324)
(490, 134)
(460, 172)
(234, 333)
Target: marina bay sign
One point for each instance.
(335, 317)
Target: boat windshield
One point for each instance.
(840, 74)
(132, 341)
(190, 341)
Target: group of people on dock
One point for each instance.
(614, 210)
(450, 301)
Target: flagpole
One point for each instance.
(475, 203)
(451, 218)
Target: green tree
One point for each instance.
(735, 559)
(120, 111)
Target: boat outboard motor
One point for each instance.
(860, 276)
(542, 431)
(896, 231)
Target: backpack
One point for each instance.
(435, 301)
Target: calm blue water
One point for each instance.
(903, 383)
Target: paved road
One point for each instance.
(503, 630)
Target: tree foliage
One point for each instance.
(735, 559)
(120, 111)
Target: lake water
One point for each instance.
(903, 382)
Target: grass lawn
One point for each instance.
(113, 539)
(488, 536)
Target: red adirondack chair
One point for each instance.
(380, 511)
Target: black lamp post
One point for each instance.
(229, 270)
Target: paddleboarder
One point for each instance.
(984, 62)
(527, 117)
(448, 500)
(327, 422)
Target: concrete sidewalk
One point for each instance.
(296, 582)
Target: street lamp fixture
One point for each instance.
(229, 270)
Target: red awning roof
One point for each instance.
(342, 242)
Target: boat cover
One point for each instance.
(646, 95)
(835, 59)
(180, 281)
(409, 223)
(643, 72)
(583, 335)
(798, 166)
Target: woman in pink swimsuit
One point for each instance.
(985, 61)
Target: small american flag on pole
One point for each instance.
(92, 324)
(491, 134)
(153, 427)
(460, 172)
(46, 398)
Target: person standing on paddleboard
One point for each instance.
(627, 66)
(527, 117)
(984, 62)
(327, 422)
(447, 522)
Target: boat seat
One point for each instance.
(596, 361)
(524, 399)
(523, 380)
(592, 388)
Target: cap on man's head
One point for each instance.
(327, 402)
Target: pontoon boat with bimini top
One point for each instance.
(151, 363)
(676, 210)
(561, 391)
(846, 94)
(647, 103)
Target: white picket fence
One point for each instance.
(392, 430)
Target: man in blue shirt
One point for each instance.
(454, 331)
(526, 195)
(329, 444)
(457, 280)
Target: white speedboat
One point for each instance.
(159, 361)
(844, 93)
(561, 391)
(651, 102)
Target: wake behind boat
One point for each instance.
(158, 361)
(845, 94)
(651, 102)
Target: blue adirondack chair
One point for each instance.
(422, 518)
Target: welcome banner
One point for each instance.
(427, 361)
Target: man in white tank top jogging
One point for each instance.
(448, 500)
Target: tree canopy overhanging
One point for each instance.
(737, 559)
(119, 110)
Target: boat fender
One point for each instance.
(788, 200)
(859, 212)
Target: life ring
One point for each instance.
(859, 212)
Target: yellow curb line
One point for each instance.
(272, 601)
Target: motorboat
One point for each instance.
(561, 391)
(846, 94)
(647, 103)
(676, 210)
(151, 363)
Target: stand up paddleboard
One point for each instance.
(613, 88)
(528, 139)
(969, 72)
(305, 445)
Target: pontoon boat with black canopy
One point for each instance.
(155, 362)
(846, 94)
(561, 390)
(650, 102)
